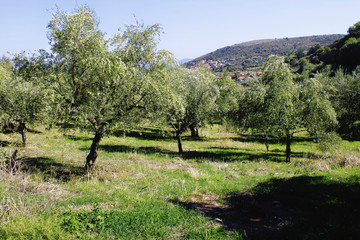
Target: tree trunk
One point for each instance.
(194, 131)
(23, 130)
(178, 136)
(288, 149)
(266, 141)
(91, 158)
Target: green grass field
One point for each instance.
(225, 186)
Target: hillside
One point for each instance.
(252, 54)
(343, 53)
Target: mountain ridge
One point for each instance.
(251, 54)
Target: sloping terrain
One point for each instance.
(253, 53)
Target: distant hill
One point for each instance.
(185, 60)
(251, 55)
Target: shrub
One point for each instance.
(329, 142)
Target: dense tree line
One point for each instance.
(96, 83)
(339, 63)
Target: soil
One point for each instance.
(258, 217)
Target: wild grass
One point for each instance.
(142, 188)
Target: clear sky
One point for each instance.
(191, 27)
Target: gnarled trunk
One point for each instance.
(267, 142)
(178, 128)
(23, 130)
(99, 133)
(194, 131)
(178, 137)
(91, 157)
(288, 149)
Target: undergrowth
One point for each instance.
(141, 188)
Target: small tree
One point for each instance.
(318, 113)
(21, 101)
(279, 105)
(202, 93)
(191, 100)
(227, 100)
(251, 112)
(346, 101)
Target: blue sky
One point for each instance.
(191, 27)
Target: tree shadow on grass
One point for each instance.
(79, 138)
(51, 169)
(213, 154)
(295, 208)
(129, 149)
(13, 144)
(33, 130)
(146, 134)
(271, 140)
(230, 155)
(5, 143)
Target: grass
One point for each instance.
(225, 186)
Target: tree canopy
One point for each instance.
(277, 104)
(103, 81)
(191, 101)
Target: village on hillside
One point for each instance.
(239, 75)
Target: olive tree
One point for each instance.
(21, 100)
(251, 111)
(318, 112)
(346, 100)
(191, 99)
(202, 93)
(100, 82)
(277, 104)
(227, 100)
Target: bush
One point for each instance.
(329, 142)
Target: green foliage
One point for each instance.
(100, 83)
(346, 101)
(280, 103)
(5, 68)
(193, 94)
(23, 98)
(351, 40)
(83, 221)
(318, 112)
(271, 102)
(94, 82)
(354, 31)
(281, 100)
(340, 54)
(329, 142)
(21, 101)
(226, 103)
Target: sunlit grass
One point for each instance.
(140, 175)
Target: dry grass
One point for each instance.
(89, 207)
(328, 163)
